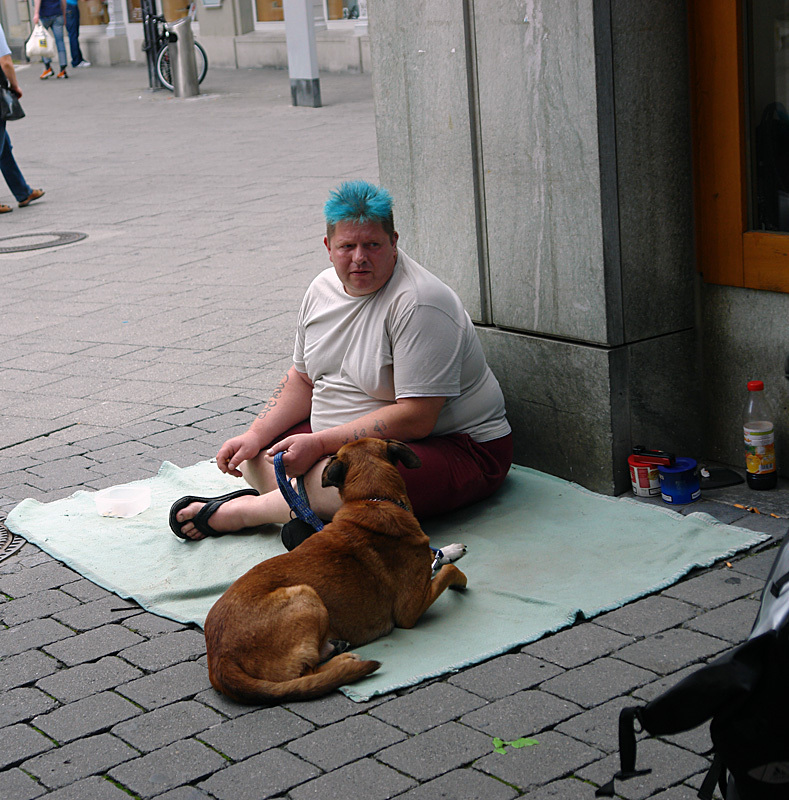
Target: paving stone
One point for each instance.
(671, 650)
(224, 705)
(169, 437)
(47, 576)
(78, 760)
(20, 742)
(345, 741)
(176, 765)
(777, 528)
(151, 625)
(647, 616)
(122, 451)
(732, 622)
(22, 704)
(651, 690)
(36, 606)
(107, 640)
(85, 591)
(439, 750)
(365, 778)
(105, 610)
(15, 784)
(183, 793)
(758, 565)
(567, 789)
(166, 650)
(522, 714)
(93, 788)
(505, 675)
(598, 727)
(25, 668)
(258, 731)
(461, 784)
(577, 645)
(85, 717)
(681, 792)
(167, 686)
(331, 708)
(427, 708)
(262, 776)
(167, 724)
(593, 684)
(713, 589)
(69, 685)
(669, 765)
(554, 757)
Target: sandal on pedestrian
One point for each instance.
(34, 195)
(200, 520)
(4, 209)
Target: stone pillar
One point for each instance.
(305, 87)
(539, 157)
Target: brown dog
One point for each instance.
(369, 570)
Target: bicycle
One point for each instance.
(162, 50)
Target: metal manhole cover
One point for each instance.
(42, 240)
(9, 543)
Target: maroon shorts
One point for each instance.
(456, 471)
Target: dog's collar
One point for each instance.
(388, 500)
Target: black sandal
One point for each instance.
(200, 520)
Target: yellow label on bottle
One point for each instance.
(759, 447)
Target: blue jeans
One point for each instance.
(8, 166)
(55, 24)
(72, 26)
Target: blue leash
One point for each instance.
(297, 502)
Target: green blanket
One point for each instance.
(540, 553)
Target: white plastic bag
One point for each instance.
(41, 44)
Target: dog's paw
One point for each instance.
(450, 553)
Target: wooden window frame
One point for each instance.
(726, 251)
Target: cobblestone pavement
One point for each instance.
(156, 338)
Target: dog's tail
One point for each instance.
(345, 668)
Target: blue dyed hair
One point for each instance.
(359, 202)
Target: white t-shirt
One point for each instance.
(411, 338)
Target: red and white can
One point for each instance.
(644, 477)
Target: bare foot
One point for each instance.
(234, 515)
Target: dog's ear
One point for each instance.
(334, 473)
(397, 451)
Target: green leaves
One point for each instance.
(500, 746)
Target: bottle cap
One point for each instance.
(755, 386)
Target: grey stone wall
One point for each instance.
(539, 154)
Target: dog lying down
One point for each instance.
(279, 632)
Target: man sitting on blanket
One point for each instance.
(383, 349)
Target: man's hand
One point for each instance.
(235, 450)
(302, 452)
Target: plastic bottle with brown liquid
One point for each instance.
(759, 435)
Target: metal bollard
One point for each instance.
(183, 67)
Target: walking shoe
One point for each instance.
(82, 64)
(47, 73)
(4, 209)
(62, 73)
(34, 195)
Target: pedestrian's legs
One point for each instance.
(11, 172)
(72, 26)
(57, 30)
(55, 24)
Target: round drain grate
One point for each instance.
(9, 543)
(40, 241)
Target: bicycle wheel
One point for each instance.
(163, 65)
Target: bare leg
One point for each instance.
(270, 506)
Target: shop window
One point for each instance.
(740, 96)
